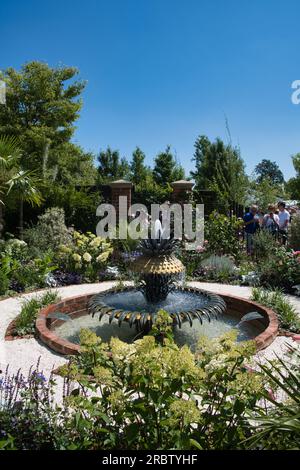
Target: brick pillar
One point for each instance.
(120, 188)
(182, 190)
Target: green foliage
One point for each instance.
(49, 232)
(13, 179)
(222, 233)
(4, 273)
(280, 269)
(274, 299)
(78, 204)
(220, 168)
(25, 322)
(149, 192)
(86, 254)
(155, 395)
(269, 170)
(294, 233)
(263, 193)
(27, 416)
(278, 426)
(70, 165)
(21, 267)
(191, 259)
(292, 188)
(10, 154)
(166, 170)
(264, 244)
(40, 110)
(111, 166)
(137, 167)
(218, 268)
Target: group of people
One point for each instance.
(276, 221)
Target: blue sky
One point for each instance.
(164, 71)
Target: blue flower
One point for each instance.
(38, 376)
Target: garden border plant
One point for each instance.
(288, 318)
(24, 324)
(155, 395)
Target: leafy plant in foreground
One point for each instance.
(25, 322)
(275, 299)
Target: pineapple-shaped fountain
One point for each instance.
(158, 269)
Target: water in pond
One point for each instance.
(175, 302)
(186, 335)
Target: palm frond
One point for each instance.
(10, 151)
(25, 182)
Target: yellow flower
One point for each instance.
(102, 257)
(76, 235)
(87, 257)
(64, 249)
(95, 242)
(103, 375)
(184, 412)
(76, 257)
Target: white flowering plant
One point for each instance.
(20, 269)
(152, 394)
(87, 254)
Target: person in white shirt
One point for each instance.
(284, 220)
(271, 220)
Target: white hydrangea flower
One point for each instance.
(87, 257)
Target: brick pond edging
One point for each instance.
(77, 306)
(74, 307)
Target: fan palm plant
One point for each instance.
(278, 425)
(14, 178)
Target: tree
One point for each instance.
(71, 165)
(166, 170)
(40, 110)
(14, 179)
(292, 188)
(111, 166)
(263, 193)
(296, 163)
(137, 167)
(293, 184)
(267, 169)
(220, 168)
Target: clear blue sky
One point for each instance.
(164, 71)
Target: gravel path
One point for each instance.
(24, 353)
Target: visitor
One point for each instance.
(284, 220)
(251, 224)
(271, 220)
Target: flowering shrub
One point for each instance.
(86, 255)
(223, 235)
(154, 395)
(25, 322)
(287, 315)
(50, 231)
(294, 233)
(280, 269)
(20, 270)
(217, 268)
(28, 421)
